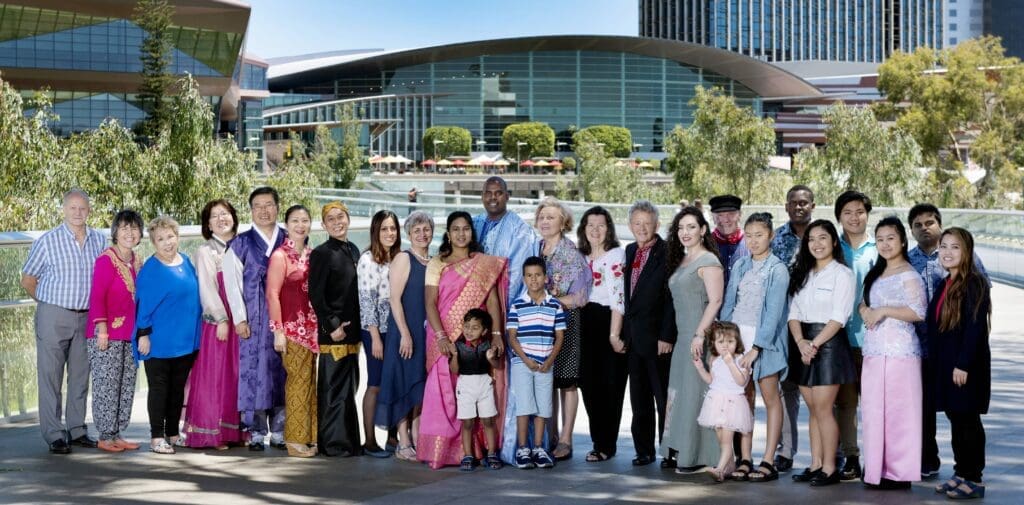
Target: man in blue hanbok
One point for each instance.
(261, 373)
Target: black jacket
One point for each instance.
(334, 291)
(649, 316)
(966, 348)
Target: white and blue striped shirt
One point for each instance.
(63, 267)
(535, 325)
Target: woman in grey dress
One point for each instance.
(697, 285)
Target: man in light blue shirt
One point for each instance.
(58, 275)
(852, 210)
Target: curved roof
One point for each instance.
(762, 78)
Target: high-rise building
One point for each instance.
(1004, 18)
(862, 31)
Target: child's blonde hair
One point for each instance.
(723, 328)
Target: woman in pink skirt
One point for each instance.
(891, 391)
(211, 417)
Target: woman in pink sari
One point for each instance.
(460, 278)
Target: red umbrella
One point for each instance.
(458, 163)
(555, 162)
(526, 163)
(487, 162)
(428, 162)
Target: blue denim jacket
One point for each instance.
(772, 333)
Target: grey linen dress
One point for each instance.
(696, 444)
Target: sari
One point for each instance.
(460, 286)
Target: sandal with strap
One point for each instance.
(597, 457)
(162, 447)
(763, 473)
(562, 451)
(493, 462)
(405, 453)
(958, 493)
(468, 464)
(743, 470)
(949, 485)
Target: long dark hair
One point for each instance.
(676, 251)
(804, 262)
(377, 250)
(880, 263)
(446, 244)
(967, 280)
(611, 241)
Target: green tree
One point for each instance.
(618, 141)
(454, 141)
(351, 158)
(323, 157)
(974, 104)
(155, 18)
(538, 140)
(863, 154)
(183, 169)
(569, 165)
(728, 142)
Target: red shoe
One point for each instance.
(126, 445)
(109, 446)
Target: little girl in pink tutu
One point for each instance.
(725, 407)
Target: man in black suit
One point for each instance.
(648, 328)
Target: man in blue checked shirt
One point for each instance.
(58, 275)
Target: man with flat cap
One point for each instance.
(728, 233)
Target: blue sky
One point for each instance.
(284, 28)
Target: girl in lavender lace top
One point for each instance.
(891, 391)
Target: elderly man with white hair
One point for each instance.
(58, 275)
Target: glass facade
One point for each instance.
(252, 76)
(1003, 18)
(565, 89)
(798, 30)
(62, 44)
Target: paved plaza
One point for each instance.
(30, 474)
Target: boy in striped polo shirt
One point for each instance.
(536, 325)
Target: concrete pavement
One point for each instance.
(29, 474)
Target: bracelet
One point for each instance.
(496, 333)
(613, 336)
(103, 335)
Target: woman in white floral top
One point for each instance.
(374, 309)
(603, 373)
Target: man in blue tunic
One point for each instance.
(505, 234)
(261, 373)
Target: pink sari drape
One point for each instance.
(463, 286)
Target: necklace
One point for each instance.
(421, 258)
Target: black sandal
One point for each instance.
(468, 464)
(597, 457)
(493, 462)
(758, 475)
(739, 473)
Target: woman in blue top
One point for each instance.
(755, 300)
(167, 330)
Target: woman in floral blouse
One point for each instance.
(374, 309)
(295, 331)
(603, 361)
(569, 280)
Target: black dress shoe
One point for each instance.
(256, 447)
(667, 463)
(60, 446)
(278, 445)
(851, 470)
(806, 475)
(783, 464)
(825, 480)
(643, 460)
(85, 441)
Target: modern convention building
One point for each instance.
(85, 56)
(567, 82)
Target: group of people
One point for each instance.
(481, 353)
